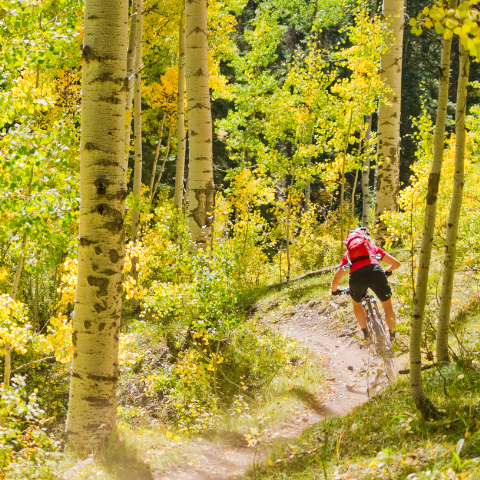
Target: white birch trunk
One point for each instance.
(180, 167)
(201, 189)
(455, 208)
(98, 304)
(388, 173)
(423, 403)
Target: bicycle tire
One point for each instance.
(380, 340)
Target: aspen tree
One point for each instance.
(98, 303)
(455, 207)
(201, 189)
(366, 165)
(423, 403)
(157, 183)
(7, 369)
(180, 167)
(157, 154)
(366, 177)
(137, 132)
(388, 167)
(131, 52)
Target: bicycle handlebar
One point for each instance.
(342, 291)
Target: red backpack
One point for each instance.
(357, 246)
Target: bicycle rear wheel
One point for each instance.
(382, 342)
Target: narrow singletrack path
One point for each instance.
(353, 375)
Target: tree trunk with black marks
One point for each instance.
(342, 186)
(201, 189)
(98, 303)
(423, 403)
(180, 167)
(167, 150)
(137, 132)
(455, 208)
(388, 173)
(366, 176)
(131, 52)
(157, 154)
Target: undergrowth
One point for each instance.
(386, 438)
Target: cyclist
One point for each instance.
(365, 273)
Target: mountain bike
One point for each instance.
(376, 329)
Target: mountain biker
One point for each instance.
(365, 273)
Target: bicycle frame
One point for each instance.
(375, 325)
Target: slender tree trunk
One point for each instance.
(157, 154)
(180, 167)
(201, 189)
(352, 209)
(388, 174)
(423, 403)
(137, 178)
(455, 207)
(366, 176)
(137, 170)
(35, 301)
(342, 188)
(98, 304)
(7, 372)
(167, 150)
(289, 209)
(131, 53)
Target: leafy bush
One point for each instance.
(26, 450)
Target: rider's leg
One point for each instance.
(389, 314)
(359, 314)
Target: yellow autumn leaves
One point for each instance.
(462, 21)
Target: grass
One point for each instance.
(386, 438)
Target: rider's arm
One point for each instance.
(336, 279)
(392, 261)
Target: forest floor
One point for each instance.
(352, 373)
(329, 428)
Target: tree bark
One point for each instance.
(98, 303)
(180, 167)
(366, 176)
(201, 189)
(167, 150)
(157, 154)
(137, 178)
(388, 179)
(423, 403)
(131, 53)
(342, 187)
(7, 370)
(137, 132)
(455, 207)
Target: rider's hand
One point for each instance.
(388, 273)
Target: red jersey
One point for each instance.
(367, 261)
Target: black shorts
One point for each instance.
(369, 276)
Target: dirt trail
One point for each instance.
(348, 365)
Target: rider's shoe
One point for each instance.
(392, 336)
